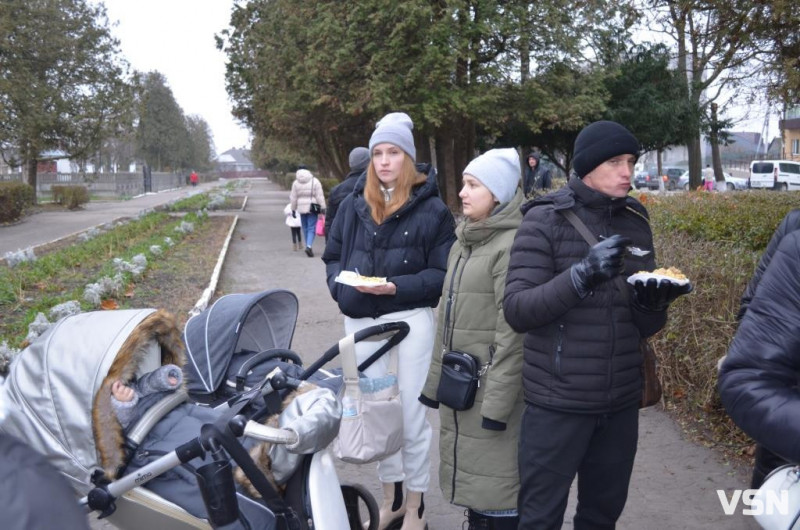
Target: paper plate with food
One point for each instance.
(667, 274)
(354, 279)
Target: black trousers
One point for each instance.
(555, 446)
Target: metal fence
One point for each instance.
(105, 184)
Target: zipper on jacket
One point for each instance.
(455, 459)
(558, 348)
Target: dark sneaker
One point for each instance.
(309, 252)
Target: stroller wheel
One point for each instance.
(361, 507)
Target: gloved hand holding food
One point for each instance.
(657, 295)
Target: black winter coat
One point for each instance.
(790, 223)
(337, 195)
(410, 249)
(759, 377)
(580, 355)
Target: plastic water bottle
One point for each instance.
(348, 407)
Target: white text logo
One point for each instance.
(768, 503)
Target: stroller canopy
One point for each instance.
(52, 384)
(235, 324)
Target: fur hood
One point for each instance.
(159, 329)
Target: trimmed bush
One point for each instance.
(14, 198)
(716, 239)
(72, 197)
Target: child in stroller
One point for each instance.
(315, 419)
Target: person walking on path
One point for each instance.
(294, 224)
(359, 160)
(708, 178)
(193, 178)
(536, 177)
(394, 225)
(581, 371)
(478, 446)
(307, 196)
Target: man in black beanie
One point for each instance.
(566, 290)
(359, 160)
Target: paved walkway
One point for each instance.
(674, 484)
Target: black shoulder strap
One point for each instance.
(575, 221)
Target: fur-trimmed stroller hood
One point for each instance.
(58, 388)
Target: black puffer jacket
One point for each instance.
(758, 379)
(581, 355)
(337, 195)
(410, 249)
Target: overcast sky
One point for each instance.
(176, 37)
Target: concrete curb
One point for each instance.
(73, 234)
(202, 303)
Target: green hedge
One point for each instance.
(72, 197)
(716, 239)
(14, 198)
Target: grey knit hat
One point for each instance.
(498, 170)
(359, 158)
(395, 128)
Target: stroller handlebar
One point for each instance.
(392, 332)
(265, 433)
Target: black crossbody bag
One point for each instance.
(461, 372)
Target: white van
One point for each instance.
(775, 174)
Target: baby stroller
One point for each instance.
(52, 393)
(242, 338)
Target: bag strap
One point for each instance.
(447, 334)
(347, 351)
(584, 231)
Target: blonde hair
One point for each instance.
(408, 178)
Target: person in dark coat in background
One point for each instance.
(583, 324)
(359, 160)
(536, 177)
(758, 379)
(766, 460)
(394, 225)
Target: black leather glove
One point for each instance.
(604, 261)
(656, 295)
(294, 214)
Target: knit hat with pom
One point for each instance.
(395, 128)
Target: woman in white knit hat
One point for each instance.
(394, 225)
(478, 446)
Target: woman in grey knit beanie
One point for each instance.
(395, 226)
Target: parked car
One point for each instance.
(731, 182)
(649, 178)
(775, 174)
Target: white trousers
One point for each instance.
(412, 463)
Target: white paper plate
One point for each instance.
(644, 276)
(356, 280)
